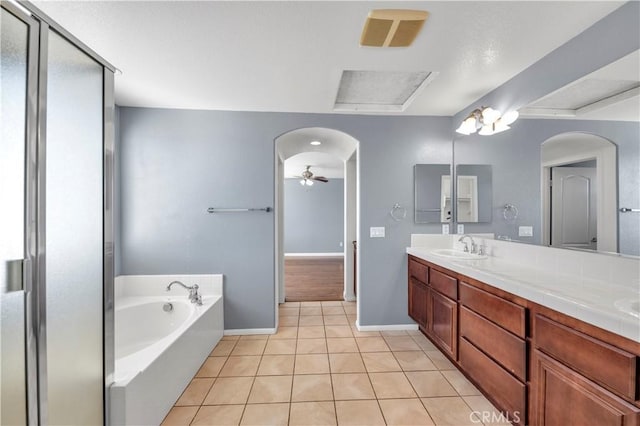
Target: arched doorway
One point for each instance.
(579, 192)
(336, 144)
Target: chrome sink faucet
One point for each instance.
(194, 296)
(474, 246)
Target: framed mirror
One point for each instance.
(432, 185)
(474, 195)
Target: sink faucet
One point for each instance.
(194, 296)
(474, 247)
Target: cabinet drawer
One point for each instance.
(444, 284)
(506, 349)
(600, 361)
(418, 271)
(502, 312)
(507, 391)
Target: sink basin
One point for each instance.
(631, 307)
(457, 254)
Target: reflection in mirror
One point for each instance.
(432, 184)
(474, 197)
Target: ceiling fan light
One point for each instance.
(509, 117)
(490, 115)
(309, 182)
(303, 182)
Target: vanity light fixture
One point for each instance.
(488, 120)
(315, 143)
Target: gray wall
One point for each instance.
(313, 216)
(176, 163)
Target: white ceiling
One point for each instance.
(289, 55)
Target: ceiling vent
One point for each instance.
(381, 91)
(392, 27)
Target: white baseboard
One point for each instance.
(245, 331)
(392, 327)
(338, 254)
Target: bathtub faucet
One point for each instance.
(194, 296)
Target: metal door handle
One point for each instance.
(13, 275)
(594, 240)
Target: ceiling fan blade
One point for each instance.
(320, 179)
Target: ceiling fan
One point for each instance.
(307, 178)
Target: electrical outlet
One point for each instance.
(445, 229)
(460, 229)
(376, 232)
(525, 231)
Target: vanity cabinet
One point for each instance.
(537, 365)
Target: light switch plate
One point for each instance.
(445, 229)
(460, 229)
(376, 232)
(525, 231)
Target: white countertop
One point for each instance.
(590, 300)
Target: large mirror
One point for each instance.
(432, 185)
(474, 197)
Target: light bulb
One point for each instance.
(509, 117)
(309, 182)
(490, 115)
(486, 130)
(303, 182)
(468, 126)
(500, 126)
(315, 143)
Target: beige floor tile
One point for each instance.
(484, 409)
(307, 304)
(180, 416)
(312, 387)
(352, 386)
(290, 305)
(391, 385)
(401, 343)
(338, 331)
(266, 414)
(288, 321)
(440, 360)
(404, 412)
(276, 365)
(311, 320)
(311, 346)
(460, 383)
(341, 344)
(218, 415)
(333, 310)
(358, 333)
(312, 364)
(346, 363)
(350, 309)
(224, 347)
(211, 366)
(310, 332)
(359, 413)
(271, 389)
(414, 361)
(331, 303)
(232, 337)
(430, 384)
(336, 320)
(424, 343)
(310, 310)
(352, 318)
(254, 337)
(240, 366)
(249, 347)
(394, 333)
(451, 411)
(229, 390)
(289, 311)
(377, 362)
(280, 347)
(312, 414)
(372, 344)
(285, 333)
(195, 392)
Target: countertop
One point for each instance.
(591, 300)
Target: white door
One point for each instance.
(573, 207)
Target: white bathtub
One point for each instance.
(157, 352)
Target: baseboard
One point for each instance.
(338, 254)
(391, 327)
(245, 331)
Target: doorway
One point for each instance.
(344, 148)
(579, 192)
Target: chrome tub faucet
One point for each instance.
(194, 296)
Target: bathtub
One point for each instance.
(157, 352)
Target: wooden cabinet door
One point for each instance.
(418, 302)
(565, 397)
(443, 322)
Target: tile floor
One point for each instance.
(318, 369)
